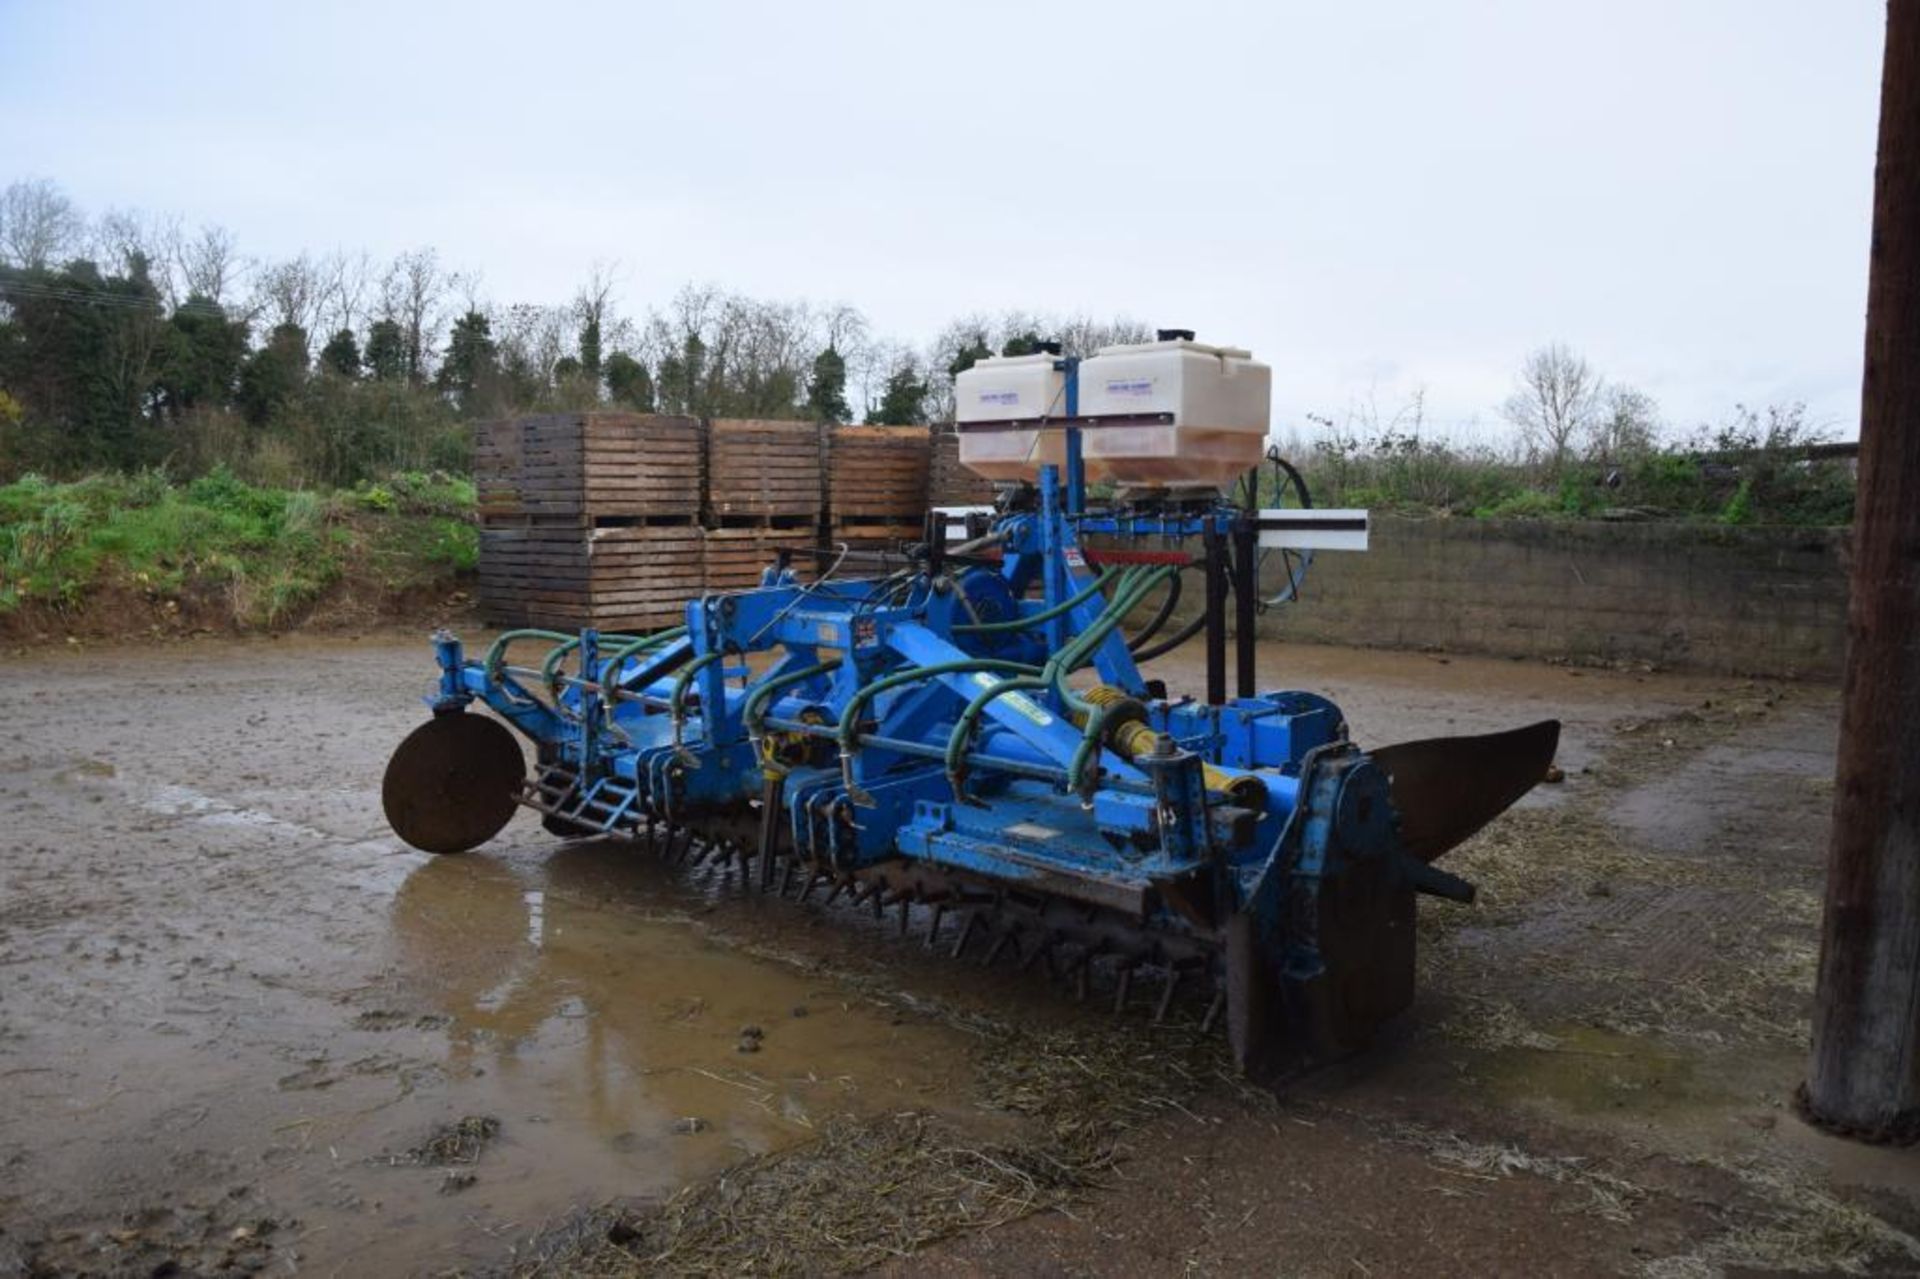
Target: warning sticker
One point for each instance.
(1134, 387)
(1019, 703)
(1002, 398)
(1075, 558)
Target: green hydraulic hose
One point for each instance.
(1097, 716)
(754, 712)
(610, 667)
(1132, 589)
(1126, 599)
(848, 733)
(497, 653)
(1085, 593)
(677, 703)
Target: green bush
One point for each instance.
(1753, 471)
(274, 550)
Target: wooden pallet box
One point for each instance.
(634, 577)
(877, 471)
(763, 468)
(874, 533)
(590, 466)
(948, 482)
(736, 557)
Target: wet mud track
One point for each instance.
(242, 1027)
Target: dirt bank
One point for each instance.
(240, 1025)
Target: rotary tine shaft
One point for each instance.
(772, 789)
(1166, 994)
(967, 926)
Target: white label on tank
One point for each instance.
(1132, 386)
(1000, 397)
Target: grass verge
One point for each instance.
(261, 556)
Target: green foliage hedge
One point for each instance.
(273, 550)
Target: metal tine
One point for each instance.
(1122, 987)
(966, 932)
(787, 871)
(839, 886)
(1007, 937)
(1213, 1011)
(906, 909)
(933, 925)
(1166, 994)
(1044, 948)
(771, 827)
(813, 882)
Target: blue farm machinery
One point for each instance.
(960, 730)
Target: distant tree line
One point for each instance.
(128, 340)
(1581, 447)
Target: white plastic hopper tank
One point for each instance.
(994, 400)
(1216, 403)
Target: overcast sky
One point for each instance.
(1374, 197)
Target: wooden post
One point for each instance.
(1864, 1076)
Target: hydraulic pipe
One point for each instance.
(754, 710)
(677, 701)
(1046, 614)
(1053, 675)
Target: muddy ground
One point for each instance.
(243, 1029)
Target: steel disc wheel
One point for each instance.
(451, 784)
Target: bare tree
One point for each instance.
(1554, 402)
(134, 243)
(1083, 335)
(412, 292)
(346, 281)
(591, 316)
(291, 292)
(844, 328)
(208, 263)
(38, 224)
(529, 341)
(1626, 425)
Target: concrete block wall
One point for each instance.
(1682, 597)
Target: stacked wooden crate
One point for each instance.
(948, 482)
(764, 489)
(876, 484)
(589, 519)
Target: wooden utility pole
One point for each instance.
(1864, 1077)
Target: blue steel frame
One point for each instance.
(747, 705)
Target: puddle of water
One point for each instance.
(1592, 1072)
(623, 1053)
